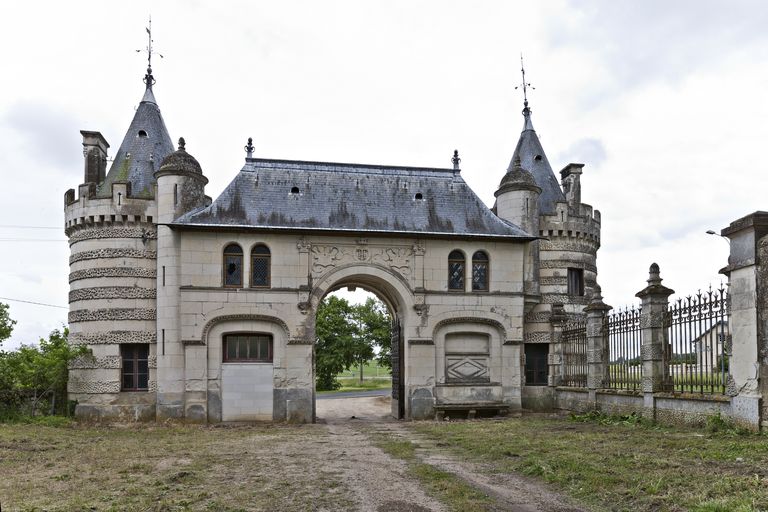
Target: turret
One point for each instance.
(180, 185)
(517, 198)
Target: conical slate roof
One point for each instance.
(145, 145)
(532, 157)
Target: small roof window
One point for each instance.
(418, 196)
(142, 134)
(294, 190)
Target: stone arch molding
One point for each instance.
(473, 320)
(392, 285)
(239, 317)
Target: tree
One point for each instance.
(6, 323)
(375, 327)
(33, 377)
(335, 336)
(347, 336)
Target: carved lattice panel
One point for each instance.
(467, 368)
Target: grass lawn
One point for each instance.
(167, 468)
(613, 464)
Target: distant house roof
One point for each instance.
(297, 195)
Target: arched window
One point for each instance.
(480, 272)
(456, 267)
(260, 266)
(233, 265)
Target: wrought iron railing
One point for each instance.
(699, 342)
(574, 338)
(625, 361)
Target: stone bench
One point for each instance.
(470, 408)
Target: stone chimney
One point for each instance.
(570, 179)
(95, 152)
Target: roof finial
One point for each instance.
(148, 78)
(456, 160)
(249, 148)
(182, 144)
(525, 85)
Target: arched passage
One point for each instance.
(396, 296)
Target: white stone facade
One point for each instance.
(140, 277)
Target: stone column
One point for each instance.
(747, 273)
(597, 344)
(655, 350)
(555, 359)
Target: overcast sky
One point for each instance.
(664, 101)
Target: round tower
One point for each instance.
(180, 189)
(111, 225)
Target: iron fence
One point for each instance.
(625, 362)
(699, 342)
(574, 345)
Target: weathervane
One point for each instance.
(148, 78)
(525, 86)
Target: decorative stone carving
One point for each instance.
(326, 257)
(92, 273)
(419, 249)
(93, 386)
(93, 315)
(112, 232)
(112, 337)
(466, 368)
(537, 337)
(304, 306)
(300, 340)
(112, 253)
(112, 292)
(303, 245)
(562, 264)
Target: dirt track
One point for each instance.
(380, 481)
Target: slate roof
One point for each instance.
(139, 156)
(296, 195)
(532, 158)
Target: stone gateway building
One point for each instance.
(205, 310)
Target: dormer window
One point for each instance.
(142, 134)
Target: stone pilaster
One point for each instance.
(597, 343)
(747, 273)
(655, 349)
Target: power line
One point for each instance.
(33, 240)
(28, 227)
(35, 303)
